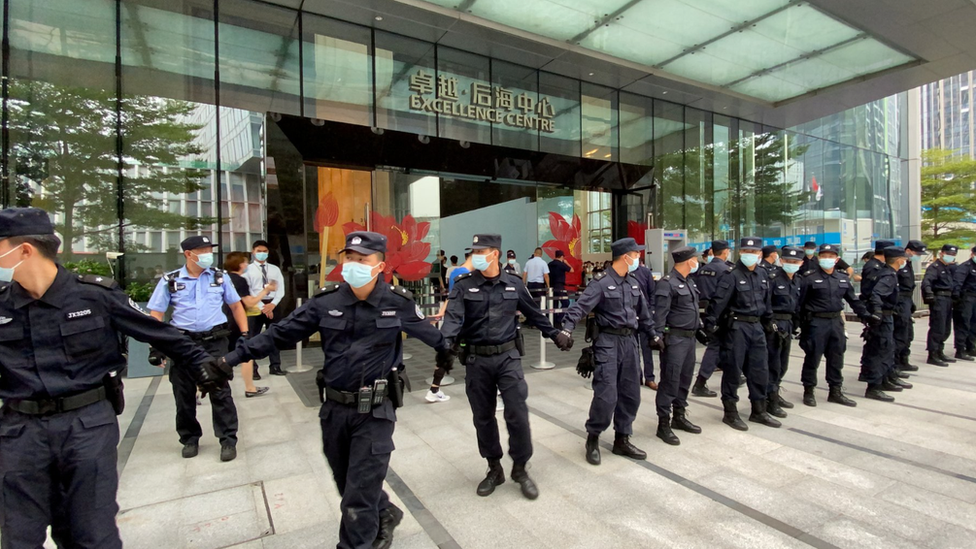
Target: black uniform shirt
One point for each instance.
(742, 292)
(770, 268)
(617, 301)
(708, 276)
(906, 278)
(676, 303)
(785, 292)
(360, 339)
(964, 276)
(481, 311)
(68, 340)
(869, 269)
(938, 278)
(825, 293)
(884, 293)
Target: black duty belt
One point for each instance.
(942, 292)
(832, 314)
(680, 333)
(218, 331)
(49, 406)
(344, 397)
(617, 331)
(492, 350)
(969, 294)
(906, 293)
(743, 318)
(782, 316)
(887, 312)
(703, 304)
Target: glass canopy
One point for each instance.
(772, 50)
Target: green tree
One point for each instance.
(948, 199)
(65, 159)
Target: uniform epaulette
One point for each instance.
(665, 277)
(401, 291)
(328, 289)
(809, 272)
(171, 275)
(107, 282)
(599, 275)
(462, 276)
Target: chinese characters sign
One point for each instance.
(485, 103)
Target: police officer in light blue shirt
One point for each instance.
(197, 292)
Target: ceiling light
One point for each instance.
(591, 152)
(608, 155)
(379, 17)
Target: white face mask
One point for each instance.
(7, 273)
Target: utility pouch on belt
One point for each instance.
(464, 351)
(592, 329)
(519, 342)
(396, 386)
(221, 333)
(320, 383)
(114, 392)
(587, 363)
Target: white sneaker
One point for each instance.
(439, 396)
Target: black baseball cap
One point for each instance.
(950, 249)
(917, 246)
(365, 242)
(832, 248)
(768, 251)
(789, 252)
(482, 241)
(719, 246)
(809, 244)
(622, 246)
(511, 254)
(24, 222)
(682, 254)
(880, 245)
(196, 242)
(750, 243)
(891, 252)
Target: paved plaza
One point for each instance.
(879, 475)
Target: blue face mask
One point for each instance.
(828, 262)
(7, 273)
(949, 258)
(261, 256)
(631, 267)
(480, 262)
(791, 268)
(357, 274)
(694, 269)
(205, 261)
(749, 260)
(809, 252)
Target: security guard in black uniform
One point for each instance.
(785, 287)
(904, 322)
(61, 363)
(878, 354)
(359, 321)
(809, 256)
(770, 254)
(869, 277)
(823, 291)
(938, 285)
(742, 303)
(964, 308)
(620, 311)
(707, 279)
(197, 293)
(676, 316)
(481, 319)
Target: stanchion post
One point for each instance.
(299, 367)
(543, 364)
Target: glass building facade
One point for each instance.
(139, 122)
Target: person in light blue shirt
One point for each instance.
(196, 293)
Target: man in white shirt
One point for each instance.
(259, 274)
(536, 275)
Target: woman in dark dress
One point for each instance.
(236, 264)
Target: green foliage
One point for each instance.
(948, 199)
(64, 151)
(89, 267)
(140, 292)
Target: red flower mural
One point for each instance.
(406, 255)
(327, 213)
(566, 238)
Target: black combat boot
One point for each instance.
(907, 366)
(664, 431)
(946, 359)
(900, 374)
(623, 447)
(936, 360)
(894, 379)
(888, 385)
(809, 398)
(875, 392)
(783, 402)
(681, 422)
(593, 449)
(742, 380)
(495, 477)
(759, 414)
(731, 417)
(702, 390)
(521, 476)
(963, 355)
(389, 519)
(837, 397)
(772, 406)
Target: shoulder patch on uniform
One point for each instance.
(708, 272)
(401, 291)
(599, 275)
(136, 306)
(328, 289)
(808, 273)
(97, 280)
(463, 276)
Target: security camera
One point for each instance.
(113, 255)
(423, 139)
